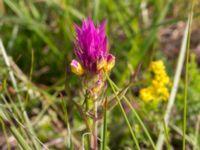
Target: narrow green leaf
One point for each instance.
(124, 114)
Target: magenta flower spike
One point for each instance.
(91, 48)
(93, 61)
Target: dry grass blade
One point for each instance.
(175, 84)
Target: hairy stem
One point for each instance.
(96, 126)
(94, 142)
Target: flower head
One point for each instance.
(91, 47)
(158, 90)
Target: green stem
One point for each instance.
(104, 136)
(89, 120)
(95, 126)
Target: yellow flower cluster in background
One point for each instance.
(158, 90)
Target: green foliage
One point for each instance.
(193, 91)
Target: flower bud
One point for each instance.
(76, 67)
(110, 62)
(101, 63)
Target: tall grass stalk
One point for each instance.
(186, 76)
(4, 116)
(136, 115)
(21, 129)
(15, 110)
(189, 139)
(20, 139)
(12, 110)
(166, 134)
(14, 83)
(124, 114)
(175, 84)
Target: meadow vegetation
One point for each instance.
(147, 99)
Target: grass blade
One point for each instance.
(20, 139)
(186, 76)
(175, 84)
(124, 114)
(166, 135)
(137, 116)
(22, 109)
